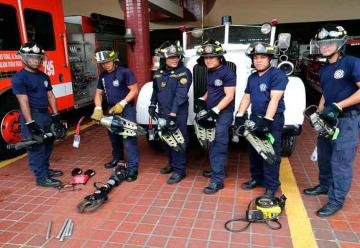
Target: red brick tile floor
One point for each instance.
(150, 213)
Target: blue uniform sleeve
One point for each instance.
(279, 80)
(247, 89)
(100, 86)
(229, 79)
(49, 86)
(128, 76)
(182, 88)
(153, 98)
(18, 86)
(356, 70)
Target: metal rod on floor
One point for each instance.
(48, 233)
(62, 229)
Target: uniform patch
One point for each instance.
(339, 73)
(116, 83)
(183, 80)
(218, 82)
(262, 87)
(162, 84)
(46, 83)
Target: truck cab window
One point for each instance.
(39, 28)
(9, 35)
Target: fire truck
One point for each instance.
(236, 39)
(69, 43)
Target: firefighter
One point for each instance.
(120, 88)
(171, 83)
(339, 106)
(265, 92)
(219, 104)
(33, 91)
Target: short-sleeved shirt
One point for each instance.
(260, 87)
(338, 80)
(217, 80)
(115, 84)
(170, 90)
(33, 84)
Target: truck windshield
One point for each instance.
(9, 34)
(238, 34)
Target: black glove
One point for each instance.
(240, 123)
(330, 114)
(57, 128)
(262, 127)
(55, 118)
(200, 104)
(208, 120)
(171, 126)
(151, 110)
(240, 120)
(37, 133)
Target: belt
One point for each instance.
(40, 110)
(349, 113)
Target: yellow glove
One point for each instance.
(118, 108)
(98, 114)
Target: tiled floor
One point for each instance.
(150, 213)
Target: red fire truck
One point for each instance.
(69, 45)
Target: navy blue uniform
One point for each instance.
(217, 80)
(170, 92)
(259, 88)
(336, 157)
(36, 86)
(115, 85)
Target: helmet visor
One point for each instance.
(321, 47)
(171, 51)
(32, 60)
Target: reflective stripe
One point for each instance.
(64, 89)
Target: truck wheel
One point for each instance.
(10, 126)
(287, 145)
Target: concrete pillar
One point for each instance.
(138, 54)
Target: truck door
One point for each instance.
(44, 24)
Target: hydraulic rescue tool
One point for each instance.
(174, 140)
(55, 133)
(262, 146)
(205, 133)
(321, 127)
(121, 126)
(261, 209)
(94, 201)
(115, 124)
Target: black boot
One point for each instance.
(270, 193)
(112, 164)
(175, 178)
(48, 182)
(207, 173)
(251, 184)
(131, 175)
(55, 173)
(167, 169)
(328, 210)
(212, 188)
(317, 190)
